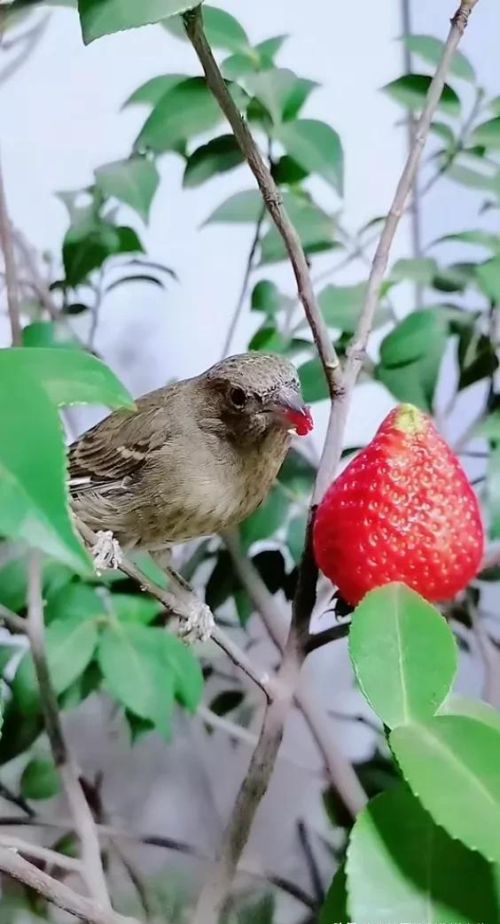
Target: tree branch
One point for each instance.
(193, 21)
(92, 869)
(56, 892)
(333, 443)
(171, 604)
(214, 894)
(13, 306)
(51, 857)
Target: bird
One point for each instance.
(193, 459)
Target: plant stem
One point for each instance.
(92, 868)
(193, 21)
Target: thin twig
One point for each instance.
(164, 842)
(172, 605)
(48, 856)
(13, 305)
(244, 286)
(414, 205)
(56, 892)
(310, 860)
(333, 443)
(92, 869)
(193, 21)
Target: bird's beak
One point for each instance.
(289, 406)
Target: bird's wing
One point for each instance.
(117, 448)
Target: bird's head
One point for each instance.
(256, 393)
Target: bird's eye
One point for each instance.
(238, 397)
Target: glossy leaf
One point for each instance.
(411, 338)
(342, 306)
(133, 666)
(402, 867)
(133, 181)
(431, 49)
(473, 708)
(152, 91)
(185, 668)
(421, 271)
(185, 110)
(334, 908)
(70, 645)
(477, 357)
(313, 381)
(315, 227)
(487, 134)
(476, 236)
(48, 334)
(33, 499)
(90, 241)
(266, 297)
(451, 763)
(218, 156)
(243, 207)
(281, 92)
(39, 779)
(488, 277)
(221, 29)
(316, 147)
(404, 654)
(102, 17)
(411, 89)
(135, 608)
(266, 520)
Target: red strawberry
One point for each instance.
(403, 510)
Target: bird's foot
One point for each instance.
(106, 551)
(198, 624)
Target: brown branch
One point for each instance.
(11, 286)
(193, 21)
(172, 606)
(333, 443)
(215, 892)
(48, 856)
(56, 892)
(92, 869)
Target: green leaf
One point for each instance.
(89, 241)
(266, 520)
(431, 49)
(152, 91)
(185, 110)
(218, 156)
(411, 338)
(342, 306)
(74, 601)
(402, 867)
(313, 381)
(103, 17)
(185, 669)
(258, 912)
(135, 608)
(316, 147)
(132, 662)
(280, 91)
(487, 134)
(477, 357)
(14, 583)
(334, 908)
(221, 29)
(411, 90)
(411, 355)
(404, 654)
(33, 498)
(243, 207)
(133, 181)
(451, 763)
(315, 227)
(488, 277)
(477, 236)
(421, 271)
(266, 297)
(48, 334)
(39, 779)
(474, 179)
(473, 708)
(70, 645)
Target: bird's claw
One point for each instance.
(106, 551)
(198, 625)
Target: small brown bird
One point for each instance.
(194, 459)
